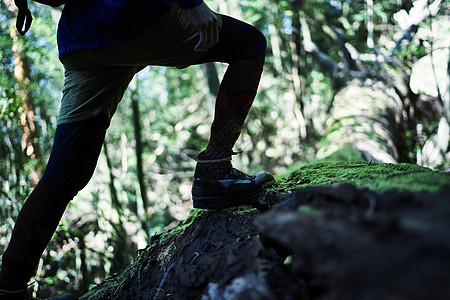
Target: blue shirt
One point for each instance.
(90, 24)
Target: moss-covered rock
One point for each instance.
(375, 176)
(330, 230)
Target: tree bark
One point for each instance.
(121, 256)
(139, 146)
(213, 83)
(22, 74)
(297, 78)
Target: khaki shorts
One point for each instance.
(95, 80)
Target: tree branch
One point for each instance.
(409, 22)
(330, 65)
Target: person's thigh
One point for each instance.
(92, 91)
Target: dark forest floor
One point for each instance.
(322, 231)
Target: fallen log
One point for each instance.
(332, 241)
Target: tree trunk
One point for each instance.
(213, 82)
(22, 74)
(365, 116)
(139, 151)
(139, 146)
(112, 187)
(121, 256)
(212, 79)
(297, 78)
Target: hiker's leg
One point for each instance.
(217, 184)
(240, 45)
(71, 164)
(243, 47)
(33, 229)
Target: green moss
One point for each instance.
(311, 211)
(112, 284)
(288, 260)
(194, 213)
(377, 177)
(242, 209)
(169, 237)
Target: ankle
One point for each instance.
(213, 152)
(214, 165)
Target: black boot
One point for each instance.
(217, 185)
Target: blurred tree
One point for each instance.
(22, 75)
(139, 149)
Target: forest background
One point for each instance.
(348, 80)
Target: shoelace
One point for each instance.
(209, 161)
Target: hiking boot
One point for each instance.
(217, 185)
